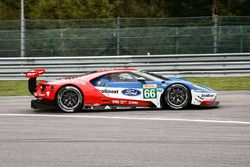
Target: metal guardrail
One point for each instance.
(226, 64)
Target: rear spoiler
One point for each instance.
(32, 75)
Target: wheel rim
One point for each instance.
(69, 99)
(177, 96)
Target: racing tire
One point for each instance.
(176, 97)
(69, 99)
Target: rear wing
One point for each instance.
(32, 75)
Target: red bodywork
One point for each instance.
(93, 97)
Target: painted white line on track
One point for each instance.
(127, 118)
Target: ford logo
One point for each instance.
(131, 92)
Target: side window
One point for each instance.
(114, 77)
(122, 77)
(101, 81)
(104, 80)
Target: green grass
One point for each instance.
(14, 88)
(223, 83)
(20, 88)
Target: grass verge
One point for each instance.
(20, 88)
(14, 88)
(223, 83)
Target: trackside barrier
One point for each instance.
(183, 65)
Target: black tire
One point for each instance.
(69, 99)
(176, 97)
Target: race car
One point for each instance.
(116, 89)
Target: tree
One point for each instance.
(9, 10)
(70, 9)
(190, 8)
(233, 7)
(85, 9)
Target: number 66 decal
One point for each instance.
(149, 93)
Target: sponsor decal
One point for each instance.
(133, 102)
(115, 101)
(150, 91)
(48, 93)
(123, 101)
(131, 92)
(150, 86)
(42, 94)
(109, 91)
(30, 74)
(207, 95)
(198, 100)
(202, 98)
(119, 101)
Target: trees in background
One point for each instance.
(9, 10)
(234, 7)
(85, 9)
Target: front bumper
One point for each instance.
(213, 104)
(42, 104)
(204, 99)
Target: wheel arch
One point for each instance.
(162, 103)
(62, 86)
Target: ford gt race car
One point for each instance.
(117, 88)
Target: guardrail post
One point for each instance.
(118, 36)
(22, 43)
(215, 33)
(241, 39)
(177, 32)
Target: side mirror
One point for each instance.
(141, 79)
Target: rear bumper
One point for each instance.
(42, 104)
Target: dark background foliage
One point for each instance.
(87, 9)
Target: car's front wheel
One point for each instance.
(69, 99)
(176, 96)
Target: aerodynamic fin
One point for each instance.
(32, 75)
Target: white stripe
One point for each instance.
(127, 118)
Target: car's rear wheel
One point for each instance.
(69, 99)
(176, 96)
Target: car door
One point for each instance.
(128, 88)
(127, 85)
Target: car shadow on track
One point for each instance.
(58, 111)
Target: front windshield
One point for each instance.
(151, 76)
(156, 75)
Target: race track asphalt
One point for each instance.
(217, 137)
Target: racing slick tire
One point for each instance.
(176, 96)
(69, 99)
